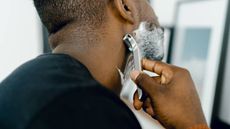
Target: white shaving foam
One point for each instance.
(150, 41)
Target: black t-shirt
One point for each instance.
(54, 91)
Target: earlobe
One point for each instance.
(125, 10)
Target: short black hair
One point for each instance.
(55, 14)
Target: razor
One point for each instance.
(132, 46)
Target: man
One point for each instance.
(77, 86)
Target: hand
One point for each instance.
(173, 99)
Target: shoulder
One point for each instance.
(86, 108)
(44, 67)
(32, 67)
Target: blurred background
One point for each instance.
(197, 34)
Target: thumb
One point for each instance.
(145, 82)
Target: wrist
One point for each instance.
(192, 123)
(200, 126)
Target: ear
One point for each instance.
(126, 9)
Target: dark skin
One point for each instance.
(102, 51)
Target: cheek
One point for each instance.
(148, 14)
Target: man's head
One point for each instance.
(56, 14)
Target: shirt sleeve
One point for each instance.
(82, 109)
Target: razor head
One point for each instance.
(133, 48)
(130, 42)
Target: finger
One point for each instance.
(145, 82)
(136, 102)
(162, 69)
(148, 107)
(157, 79)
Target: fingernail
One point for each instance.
(134, 74)
(144, 60)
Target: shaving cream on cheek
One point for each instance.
(150, 41)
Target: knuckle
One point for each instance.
(170, 74)
(141, 79)
(184, 72)
(156, 65)
(175, 71)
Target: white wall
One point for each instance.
(20, 34)
(165, 10)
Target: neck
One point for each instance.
(102, 55)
